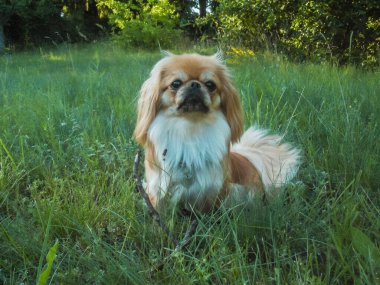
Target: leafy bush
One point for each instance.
(144, 25)
(343, 31)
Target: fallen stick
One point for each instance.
(183, 243)
(179, 245)
(152, 211)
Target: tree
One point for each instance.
(28, 20)
(345, 31)
(142, 23)
(202, 8)
(6, 10)
(82, 18)
(2, 40)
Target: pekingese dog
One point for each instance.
(190, 122)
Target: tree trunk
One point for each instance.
(2, 38)
(92, 9)
(202, 8)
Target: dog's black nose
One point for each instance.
(195, 85)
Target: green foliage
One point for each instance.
(146, 24)
(66, 159)
(30, 21)
(50, 257)
(255, 24)
(363, 244)
(342, 31)
(310, 27)
(35, 22)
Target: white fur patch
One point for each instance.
(190, 153)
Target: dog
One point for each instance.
(190, 123)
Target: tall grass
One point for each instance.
(66, 155)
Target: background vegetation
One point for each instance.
(341, 31)
(66, 157)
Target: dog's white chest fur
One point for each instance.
(190, 155)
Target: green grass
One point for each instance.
(66, 158)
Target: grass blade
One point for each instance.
(50, 257)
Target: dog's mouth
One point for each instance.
(192, 105)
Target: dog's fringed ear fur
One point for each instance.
(219, 56)
(230, 100)
(232, 111)
(231, 105)
(147, 107)
(166, 53)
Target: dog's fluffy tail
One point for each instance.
(276, 162)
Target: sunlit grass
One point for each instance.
(66, 158)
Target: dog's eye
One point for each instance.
(210, 85)
(176, 84)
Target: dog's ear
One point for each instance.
(147, 107)
(166, 53)
(219, 56)
(231, 107)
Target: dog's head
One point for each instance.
(192, 86)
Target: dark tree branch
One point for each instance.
(152, 211)
(182, 244)
(179, 245)
(189, 233)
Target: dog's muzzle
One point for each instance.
(194, 99)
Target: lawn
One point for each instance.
(66, 158)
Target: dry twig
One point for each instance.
(152, 211)
(179, 245)
(182, 244)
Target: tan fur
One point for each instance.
(193, 65)
(257, 162)
(243, 172)
(147, 108)
(150, 166)
(231, 107)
